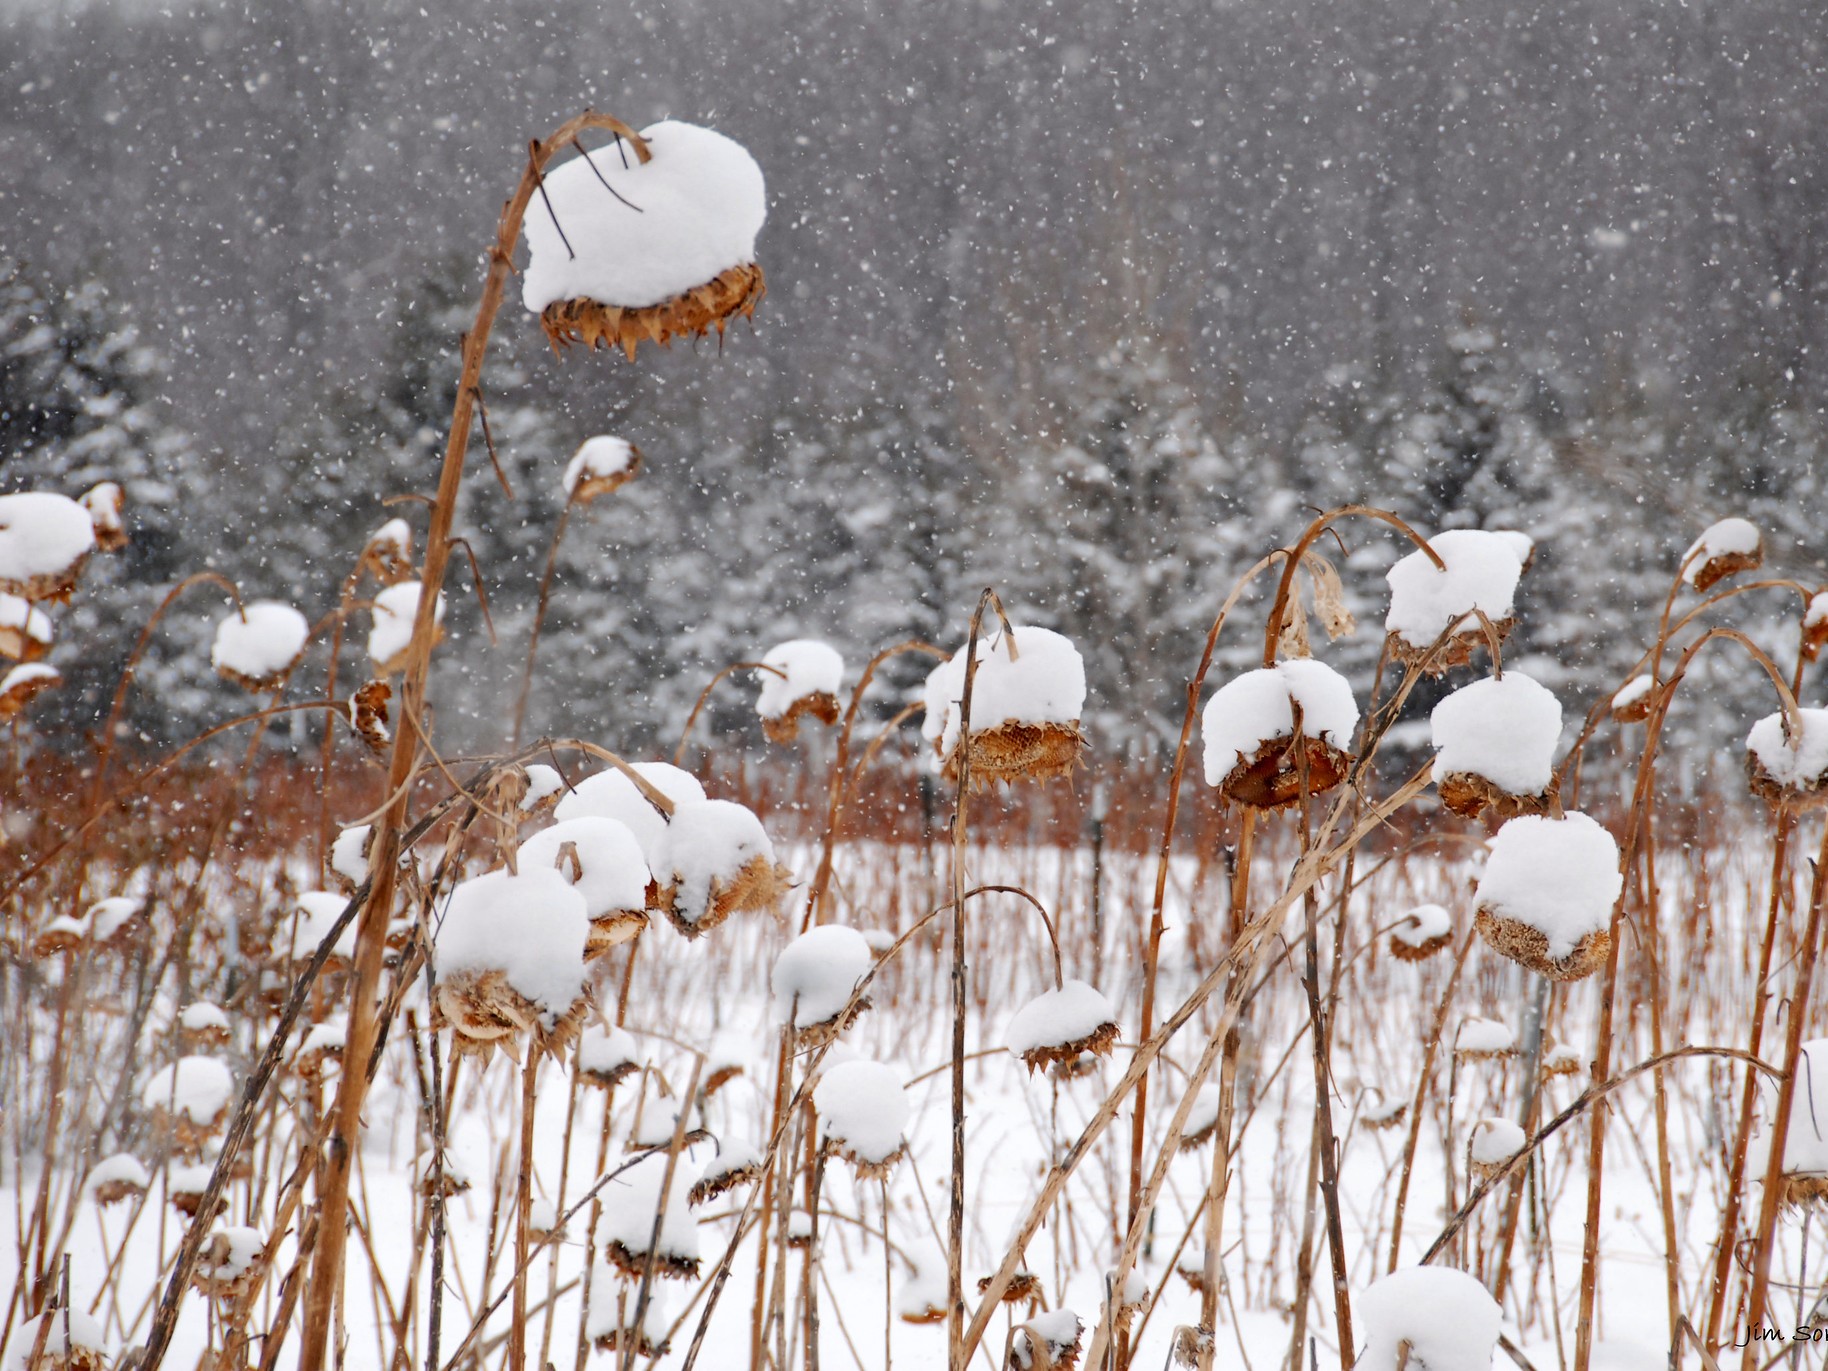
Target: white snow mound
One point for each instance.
(1058, 1017)
(1450, 1321)
(316, 914)
(349, 853)
(708, 842)
(1558, 876)
(24, 618)
(1504, 729)
(598, 459)
(84, 1332)
(1043, 684)
(613, 871)
(1423, 924)
(654, 231)
(864, 1109)
(1251, 709)
(810, 668)
(1798, 767)
(1728, 538)
(267, 643)
(820, 969)
(1478, 1034)
(394, 611)
(41, 534)
(1482, 571)
(531, 927)
(196, 1088)
(611, 795)
(1494, 1141)
(1631, 692)
(604, 1048)
(631, 1200)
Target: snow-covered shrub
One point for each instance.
(1630, 703)
(509, 953)
(1561, 1059)
(116, 1178)
(1058, 1025)
(603, 1327)
(1789, 773)
(321, 1048)
(1202, 1119)
(61, 935)
(602, 860)
(725, 1060)
(1491, 1144)
(45, 541)
(863, 1110)
(105, 503)
(203, 1024)
(190, 1099)
(1027, 694)
(1422, 932)
(1805, 1164)
(314, 914)
(1429, 1317)
(611, 795)
(921, 1299)
(737, 1163)
(1495, 747)
(1480, 573)
(1724, 549)
(1047, 1342)
(1380, 1111)
(388, 553)
(85, 1348)
(186, 1185)
(1815, 625)
(714, 860)
(814, 978)
(658, 245)
(392, 633)
(1480, 1039)
(631, 1201)
(601, 466)
(25, 629)
(607, 1055)
(20, 686)
(1255, 754)
(799, 677)
(258, 646)
(368, 714)
(230, 1263)
(349, 857)
(544, 786)
(1545, 898)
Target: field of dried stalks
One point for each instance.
(966, 1048)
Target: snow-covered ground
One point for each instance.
(714, 995)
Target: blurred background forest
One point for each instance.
(1083, 298)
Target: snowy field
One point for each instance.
(1495, 1037)
(882, 1243)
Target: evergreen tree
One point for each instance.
(78, 406)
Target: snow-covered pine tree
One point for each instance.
(1122, 525)
(79, 405)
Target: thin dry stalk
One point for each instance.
(1429, 1050)
(1742, 1136)
(1800, 1004)
(539, 619)
(957, 1353)
(523, 1203)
